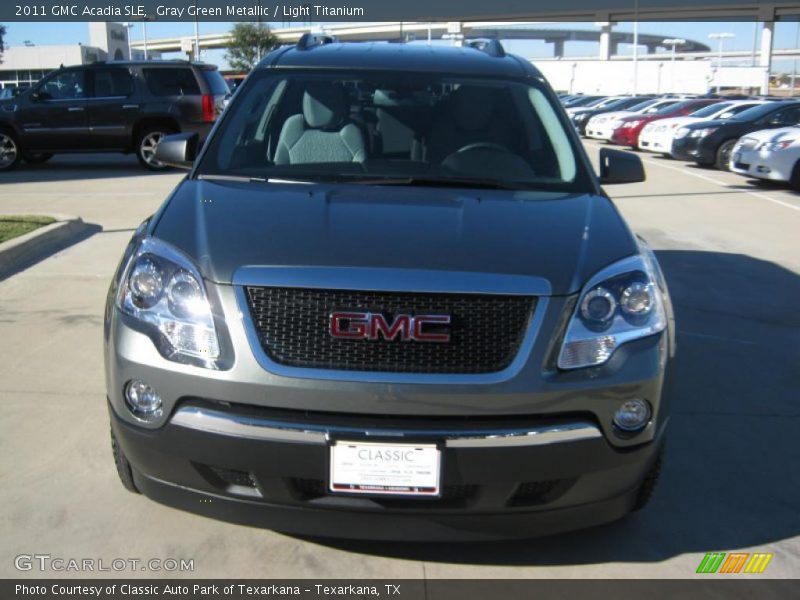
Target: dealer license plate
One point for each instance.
(384, 468)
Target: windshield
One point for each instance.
(643, 105)
(582, 101)
(618, 103)
(668, 107)
(597, 102)
(711, 109)
(394, 128)
(756, 112)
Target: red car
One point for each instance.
(627, 131)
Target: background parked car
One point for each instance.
(602, 126)
(657, 135)
(110, 107)
(581, 116)
(603, 102)
(626, 130)
(770, 154)
(582, 101)
(710, 143)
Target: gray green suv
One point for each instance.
(391, 300)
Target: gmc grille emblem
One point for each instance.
(357, 325)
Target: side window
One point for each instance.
(787, 116)
(171, 81)
(69, 85)
(112, 82)
(791, 116)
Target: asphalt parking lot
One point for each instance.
(731, 254)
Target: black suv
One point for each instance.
(110, 107)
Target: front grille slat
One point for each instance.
(292, 325)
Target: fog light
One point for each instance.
(633, 415)
(143, 400)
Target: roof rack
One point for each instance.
(490, 47)
(309, 40)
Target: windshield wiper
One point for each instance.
(245, 179)
(449, 182)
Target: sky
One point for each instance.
(786, 34)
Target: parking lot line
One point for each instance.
(721, 183)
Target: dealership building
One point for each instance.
(24, 65)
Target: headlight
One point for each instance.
(623, 302)
(630, 124)
(773, 146)
(698, 133)
(682, 133)
(164, 291)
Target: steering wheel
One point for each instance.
(484, 146)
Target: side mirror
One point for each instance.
(36, 96)
(177, 150)
(617, 166)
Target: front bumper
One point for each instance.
(626, 136)
(692, 149)
(656, 141)
(599, 131)
(491, 492)
(762, 165)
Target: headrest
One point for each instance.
(472, 107)
(324, 105)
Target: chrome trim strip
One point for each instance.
(525, 349)
(392, 280)
(212, 421)
(215, 421)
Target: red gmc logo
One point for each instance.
(354, 325)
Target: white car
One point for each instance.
(602, 126)
(658, 135)
(772, 154)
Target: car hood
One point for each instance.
(774, 135)
(678, 121)
(563, 238)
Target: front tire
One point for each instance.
(146, 144)
(724, 155)
(123, 466)
(10, 153)
(794, 180)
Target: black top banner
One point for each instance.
(394, 10)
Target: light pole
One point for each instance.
(196, 52)
(144, 32)
(720, 37)
(794, 61)
(674, 42)
(129, 29)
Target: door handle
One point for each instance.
(130, 106)
(75, 109)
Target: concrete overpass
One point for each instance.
(401, 31)
(605, 35)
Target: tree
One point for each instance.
(249, 43)
(2, 33)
